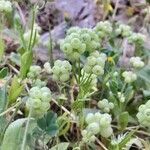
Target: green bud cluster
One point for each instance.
(90, 38)
(103, 29)
(123, 30)
(105, 105)
(5, 6)
(136, 38)
(144, 114)
(34, 72)
(38, 100)
(97, 124)
(95, 63)
(79, 40)
(38, 82)
(129, 76)
(136, 62)
(61, 70)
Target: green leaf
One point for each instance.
(14, 135)
(64, 124)
(126, 139)
(3, 98)
(3, 72)
(48, 123)
(15, 58)
(15, 90)
(123, 120)
(3, 124)
(26, 61)
(21, 50)
(61, 146)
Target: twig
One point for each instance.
(101, 144)
(63, 108)
(10, 109)
(13, 68)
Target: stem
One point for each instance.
(51, 48)
(79, 71)
(74, 73)
(12, 117)
(23, 147)
(101, 144)
(32, 28)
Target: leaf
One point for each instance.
(61, 146)
(14, 135)
(123, 120)
(15, 58)
(64, 125)
(21, 50)
(3, 123)
(3, 72)
(26, 61)
(15, 90)
(126, 139)
(3, 98)
(48, 123)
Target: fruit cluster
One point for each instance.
(144, 114)
(129, 76)
(61, 70)
(38, 100)
(103, 29)
(79, 40)
(136, 62)
(95, 63)
(97, 124)
(105, 105)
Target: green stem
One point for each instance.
(23, 147)
(32, 28)
(74, 73)
(51, 48)
(79, 71)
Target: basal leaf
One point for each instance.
(26, 61)
(15, 90)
